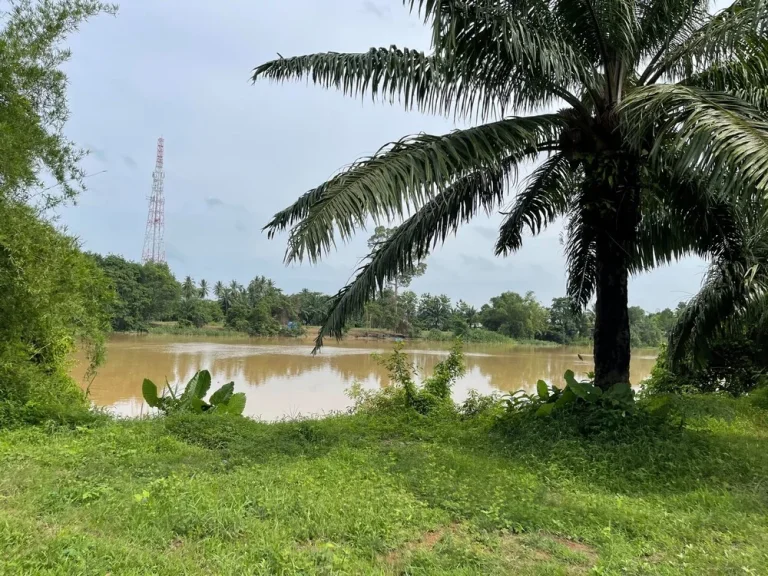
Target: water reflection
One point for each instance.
(286, 380)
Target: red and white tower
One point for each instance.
(154, 242)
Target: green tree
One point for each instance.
(203, 291)
(468, 313)
(144, 292)
(311, 307)
(566, 323)
(188, 288)
(218, 289)
(434, 312)
(643, 329)
(515, 316)
(34, 100)
(660, 127)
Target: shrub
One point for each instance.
(435, 390)
(224, 400)
(592, 410)
(477, 404)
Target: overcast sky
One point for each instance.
(237, 153)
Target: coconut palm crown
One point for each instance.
(646, 119)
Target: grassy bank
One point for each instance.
(476, 336)
(386, 494)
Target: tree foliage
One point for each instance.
(33, 100)
(54, 299)
(145, 292)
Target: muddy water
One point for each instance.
(282, 379)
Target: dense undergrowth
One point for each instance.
(391, 491)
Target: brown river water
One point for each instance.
(282, 379)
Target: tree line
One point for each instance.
(147, 293)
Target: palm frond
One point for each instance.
(412, 240)
(713, 222)
(720, 38)
(580, 253)
(727, 293)
(667, 23)
(519, 49)
(410, 77)
(745, 77)
(707, 132)
(544, 198)
(405, 175)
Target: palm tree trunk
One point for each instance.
(617, 218)
(611, 339)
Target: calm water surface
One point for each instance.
(282, 379)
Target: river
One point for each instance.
(282, 379)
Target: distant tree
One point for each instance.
(434, 312)
(643, 330)
(311, 307)
(567, 322)
(468, 313)
(404, 277)
(188, 288)
(203, 291)
(515, 315)
(144, 292)
(218, 289)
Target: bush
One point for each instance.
(590, 409)
(477, 404)
(734, 365)
(434, 393)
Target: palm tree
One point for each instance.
(188, 289)
(218, 289)
(203, 289)
(661, 128)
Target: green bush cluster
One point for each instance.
(434, 392)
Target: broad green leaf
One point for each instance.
(223, 394)
(203, 383)
(236, 404)
(620, 390)
(570, 379)
(585, 391)
(545, 410)
(149, 391)
(196, 404)
(197, 387)
(541, 388)
(567, 397)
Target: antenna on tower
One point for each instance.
(154, 241)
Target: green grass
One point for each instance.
(386, 494)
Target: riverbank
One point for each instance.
(387, 494)
(308, 333)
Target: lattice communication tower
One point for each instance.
(154, 237)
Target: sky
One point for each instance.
(236, 153)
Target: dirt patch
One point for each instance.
(426, 541)
(578, 547)
(176, 543)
